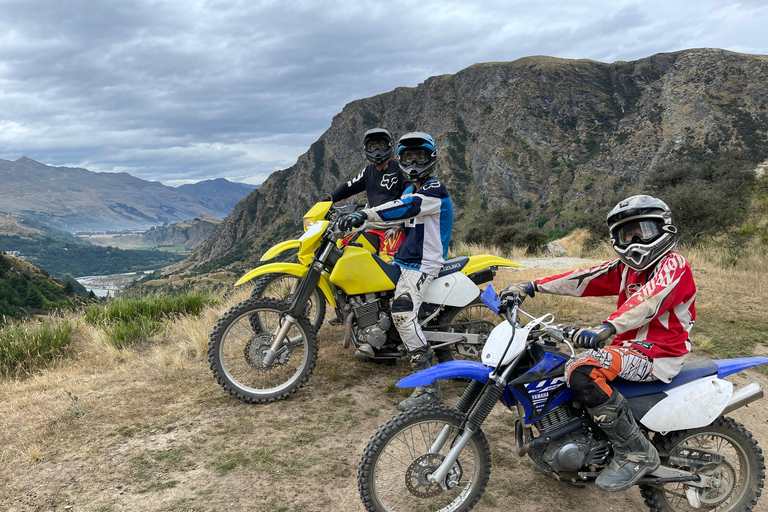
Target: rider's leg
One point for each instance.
(405, 308)
(588, 377)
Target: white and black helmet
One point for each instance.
(642, 230)
(377, 144)
(417, 155)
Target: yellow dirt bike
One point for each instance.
(283, 285)
(264, 349)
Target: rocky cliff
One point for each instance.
(552, 135)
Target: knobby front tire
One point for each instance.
(392, 473)
(237, 344)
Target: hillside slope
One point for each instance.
(553, 136)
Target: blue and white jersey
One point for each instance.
(428, 216)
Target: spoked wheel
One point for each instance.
(282, 287)
(474, 318)
(236, 352)
(726, 454)
(393, 475)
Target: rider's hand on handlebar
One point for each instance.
(353, 220)
(594, 337)
(524, 289)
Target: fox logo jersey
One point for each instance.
(380, 186)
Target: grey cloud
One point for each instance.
(187, 90)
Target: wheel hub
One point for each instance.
(474, 327)
(256, 349)
(417, 475)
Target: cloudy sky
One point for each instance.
(180, 91)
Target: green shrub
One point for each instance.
(505, 227)
(133, 320)
(24, 346)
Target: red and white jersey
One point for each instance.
(656, 307)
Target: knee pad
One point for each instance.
(402, 308)
(584, 388)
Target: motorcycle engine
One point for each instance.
(572, 451)
(575, 451)
(372, 322)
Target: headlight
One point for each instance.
(308, 221)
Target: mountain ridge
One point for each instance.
(553, 136)
(76, 199)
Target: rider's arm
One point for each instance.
(671, 288)
(409, 206)
(596, 281)
(350, 188)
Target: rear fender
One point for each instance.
(293, 269)
(730, 366)
(482, 261)
(447, 370)
(281, 247)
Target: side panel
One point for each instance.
(356, 273)
(692, 405)
(452, 290)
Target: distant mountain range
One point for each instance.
(74, 199)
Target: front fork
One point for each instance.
(299, 305)
(483, 408)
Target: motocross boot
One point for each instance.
(633, 454)
(421, 359)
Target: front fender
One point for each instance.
(447, 370)
(281, 247)
(293, 269)
(483, 261)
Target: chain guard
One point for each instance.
(257, 346)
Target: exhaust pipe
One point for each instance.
(744, 395)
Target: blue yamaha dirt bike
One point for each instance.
(437, 458)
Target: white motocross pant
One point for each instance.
(409, 294)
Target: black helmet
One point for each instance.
(374, 150)
(642, 230)
(417, 154)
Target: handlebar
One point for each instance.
(560, 333)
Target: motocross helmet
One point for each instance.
(642, 230)
(377, 144)
(417, 154)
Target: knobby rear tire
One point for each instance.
(742, 473)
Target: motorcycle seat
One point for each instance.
(453, 265)
(690, 371)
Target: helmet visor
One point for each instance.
(641, 231)
(414, 156)
(376, 145)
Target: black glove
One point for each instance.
(595, 336)
(521, 288)
(352, 221)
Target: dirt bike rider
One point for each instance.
(427, 210)
(654, 317)
(383, 181)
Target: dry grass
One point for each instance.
(470, 249)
